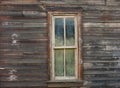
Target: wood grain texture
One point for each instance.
(24, 62)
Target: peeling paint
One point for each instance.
(14, 37)
(2, 68)
(12, 76)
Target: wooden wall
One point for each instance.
(24, 42)
(24, 63)
(101, 45)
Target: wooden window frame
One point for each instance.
(77, 16)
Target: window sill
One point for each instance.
(65, 83)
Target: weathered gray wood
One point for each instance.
(101, 25)
(88, 2)
(100, 32)
(20, 8)
(113, 2)
(101, 72)
(21, 25)
(19, 2)
(77, 2)
(100, 8)
(23, 84)
(23, 13)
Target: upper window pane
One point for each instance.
(59, 31)
(70, 32)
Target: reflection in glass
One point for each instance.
(59, 62)
(70, 31)
(59, 31)
(70, 62)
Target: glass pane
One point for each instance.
(59, 31)
(70, 32)
(59, 62)
(70, 62)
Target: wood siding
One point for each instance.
(23, 64)
(24, 41)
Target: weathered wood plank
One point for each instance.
(108, 31)
(23, 13)
(100, 58)
(83, 2)
(99, 53)
(20, 7)
(113, 2)
(101, 25)
(41, 20)
(24, 60)
(100, 8)
(25, 71)
(102, 79)
(22, 25)
(19, 2)
(100, 72)
(101, 41)
(23, 66)
(98, 13)
(76, 2)
(102, 61)
(104, 48)
(86, 2)
(23, 84)
(97, 37)
(64, 84)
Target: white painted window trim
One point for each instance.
(64, 47)
(78, 55)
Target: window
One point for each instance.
(64, 35)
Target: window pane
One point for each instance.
(59, 62)
(70, 62)
(70, 31)
(59, 31)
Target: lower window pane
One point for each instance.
(70, 62)
(59, 62)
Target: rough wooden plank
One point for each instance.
(19, 8)
(98, 79)
(23, 13)
(105, 48)
(101, 61)
(100, 58)
(100, 8)
(99, 53)
(102, 41)
(99, 38)
(62, 84)
(101, 25)
(100, 72)
(22, 25)
(23, 84)
(23, 66)
(86, 2)
(76, 2)
(113, 2)
(19, 2)
(103, 31)
(41, 71)
(98, 13)
(99, 85)
(25, 60)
